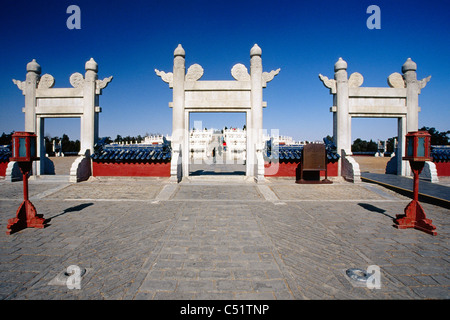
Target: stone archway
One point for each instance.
(350, 100)
(81, 101)
(242, 95)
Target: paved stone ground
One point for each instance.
(219, 239)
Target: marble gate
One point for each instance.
(243, 95)
(81, 101)
(350, 100)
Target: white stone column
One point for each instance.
(412, 95)
(32, 79)
(335, 134)
(249, 167)
(403, 168)
(413, 88)
(29, 90)
(40, 132)
(343, 129)
(96, 118)
(87, 135)
(179, 132)
(256, 98)
(185, 148)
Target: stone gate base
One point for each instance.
(81, 168)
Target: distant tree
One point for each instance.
(68, 145)
(329, 138)
(48, 145)
(372, 146)
(358, 145)
(437, 138)
(77, 146)
(364, 146)
(107, 140)
(5, 139)
(65, 143)
(390, 144)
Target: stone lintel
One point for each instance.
(59, 93)
(377, 92)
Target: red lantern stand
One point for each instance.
(417, 152)
(24, 153)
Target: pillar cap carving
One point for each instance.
(179, 51)
(33, 66)
(409, 65)
(255, 51)
(91, 65)
(340, 65)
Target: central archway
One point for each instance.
(242, 95)
(217, 144)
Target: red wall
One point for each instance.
(288, 169)
(3, 166)
(131, 169)
(443, 168)
(332, 170)
(280, 169)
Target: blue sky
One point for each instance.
(129, 39)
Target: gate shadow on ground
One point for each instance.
(372, 208)
(72, 209)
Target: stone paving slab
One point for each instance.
(225, 192)
(14, 190)
(218, 248)
(425, 187)
(325, 192)
(109, 190)
(149, 239)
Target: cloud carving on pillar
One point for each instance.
(46, 81)
(102, 84)
(19, 84)
(355, 80)
(76, 80)
(328, 83)
(423, 82)
(165, 76)
(240, 72)
(194, 73)
(396, 80)
(268, 76)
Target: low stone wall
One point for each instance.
(3, 166)
(290, 169)
(131, 169)
(443, 169)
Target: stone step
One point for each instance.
(51, 178)
(222, 178)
